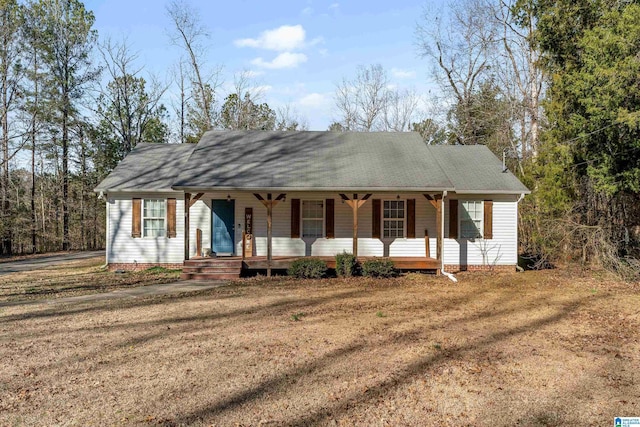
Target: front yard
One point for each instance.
(537, 348)
(72, 278)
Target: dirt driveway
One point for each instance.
(47, 261)
(546, 348)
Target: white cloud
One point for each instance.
(315, 100)
(307, 11)
(334, 6)
(283, 60)
(403, 74)
(284, 38)
(260, 89)
(252, 74)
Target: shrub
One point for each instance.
(308, 268)
(346, 265)
(382, 267)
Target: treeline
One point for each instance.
(552, 85)
(73, 105)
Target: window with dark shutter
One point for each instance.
(136, 218)
(171, 218)
(295, 218)
(329, 219)
(411, 218)
(453, 219)
(488, 219)
(376, 218)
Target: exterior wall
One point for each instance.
(124, 249)
(283, 245)
(499, 251)
(502, 249)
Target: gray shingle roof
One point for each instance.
(475, 169)
(311, 161)
(289, 161)
(148, 167)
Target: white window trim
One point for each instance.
(404, 220)
(460, 210)
(142, 218)
(302, 218)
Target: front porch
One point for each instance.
(250, 231)
(232, 267)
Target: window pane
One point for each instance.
(312, 218)
(393, 219)
(471, 219)
(312, 209)
(153, 217)
(312, 228)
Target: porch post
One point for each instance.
(269, 213)
(437, 203)
(355, 204)
(187, 205)
(440, 226)
(355, 226)
(269, 204)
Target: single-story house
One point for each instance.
(259, 199)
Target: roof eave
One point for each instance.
(134, 190)
(189, 189)
(516, 192)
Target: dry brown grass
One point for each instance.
(75, 278)
(538, 348)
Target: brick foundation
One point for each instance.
(130, 266)
(451, 268)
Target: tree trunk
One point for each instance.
(65, 165)
(33, 156)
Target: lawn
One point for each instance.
(536, 348)
(74, 278)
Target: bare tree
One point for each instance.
(525, 78)
(180, 105)
(191, 35)
(462, 57)
(129, 103)
(361, 102)
(10, 78)
(288, 118)
(400, 110)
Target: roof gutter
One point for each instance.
(521, 192)
(304, 189)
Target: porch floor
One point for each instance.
(228, 267)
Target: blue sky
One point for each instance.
(298, 50)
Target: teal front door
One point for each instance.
(222, 228)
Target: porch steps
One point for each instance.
(211, 269)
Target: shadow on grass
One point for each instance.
(408, 373)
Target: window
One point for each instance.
(312, 218)
(153, 217)
(471, 219)
(393, 219)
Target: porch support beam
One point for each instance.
(436, 201)
(269, 203)
(187, 205)
(195, 199)
(355, 204)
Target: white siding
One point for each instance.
(502, 249)
(283, 245)
(122, 248)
